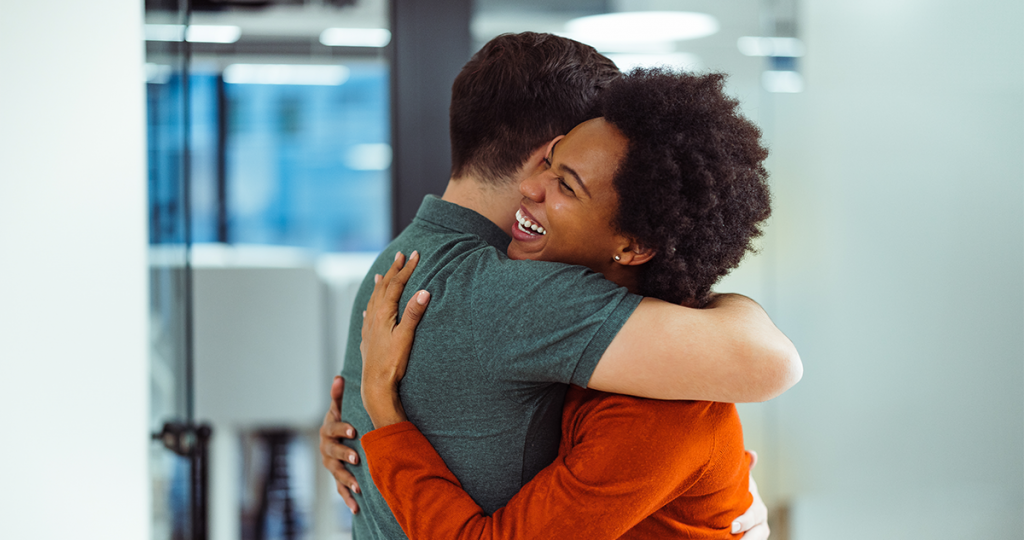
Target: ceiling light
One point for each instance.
(196, 33)
(787, 82)
(305, 74)
(165, 32)
(208, 33)
(368, 157)
(608, 31)
(771, 46)
(355, 37)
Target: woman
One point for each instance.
(661, 195)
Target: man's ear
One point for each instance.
(537, 157)
(635, 254)
(550, 146)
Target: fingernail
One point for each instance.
(376, 278)
(355, 487)
(415, 254)
(397, 255)
(735, 527)
(364, 313)
(422, 297)
(348, 432)
(352, 459)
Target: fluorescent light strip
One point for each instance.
(355, 37)
(641, 27)
(196, 33)
(300, 74)
(771, 46)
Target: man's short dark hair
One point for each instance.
(692, 186)
(517, 93)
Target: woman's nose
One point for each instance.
(533, 187)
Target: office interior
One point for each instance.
(183, 227)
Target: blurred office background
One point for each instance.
(189, 192)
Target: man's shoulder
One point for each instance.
(494, 268)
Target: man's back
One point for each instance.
(493, 354)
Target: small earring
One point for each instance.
(617, 258)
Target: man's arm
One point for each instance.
(729, 351)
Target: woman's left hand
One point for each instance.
(386, 343)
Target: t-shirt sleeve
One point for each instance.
(547, 322)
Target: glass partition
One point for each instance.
(268, 124)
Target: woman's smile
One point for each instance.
(528, 224)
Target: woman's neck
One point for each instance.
(624, 276)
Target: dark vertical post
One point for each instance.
(186, 200)
(200, 458)
(430, 43)
(222, 161)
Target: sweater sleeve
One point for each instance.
(617, 473)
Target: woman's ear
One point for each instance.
(635, 254)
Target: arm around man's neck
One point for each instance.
(729, 351)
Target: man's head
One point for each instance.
(516, 94)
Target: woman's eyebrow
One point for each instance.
(576, 175)
(571, 171)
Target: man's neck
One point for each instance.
(496, 202)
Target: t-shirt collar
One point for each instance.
(462, 219)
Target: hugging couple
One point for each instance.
(561, 368)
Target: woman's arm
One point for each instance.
(625, 464)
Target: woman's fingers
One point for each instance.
(381, 282)
(411, 318)
(382, 308)
(346, 484)
(401, 338)
(396, 285)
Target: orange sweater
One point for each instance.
(626, 468)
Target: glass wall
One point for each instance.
(267, 125)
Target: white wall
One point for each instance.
(898, 270)
(73, 349)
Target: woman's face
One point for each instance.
(571, 203)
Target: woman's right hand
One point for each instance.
(386, 344)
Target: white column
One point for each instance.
(73, 337)
(899, 238)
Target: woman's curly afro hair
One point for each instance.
(692, 186)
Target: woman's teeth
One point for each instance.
(526, 225)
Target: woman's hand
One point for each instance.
(333, 453)
(385, 345)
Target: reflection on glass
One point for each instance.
(307, 157)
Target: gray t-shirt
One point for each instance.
(493, 354)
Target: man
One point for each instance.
(503, 338)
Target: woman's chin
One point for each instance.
(517, 254)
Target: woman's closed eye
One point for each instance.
(566, 186)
